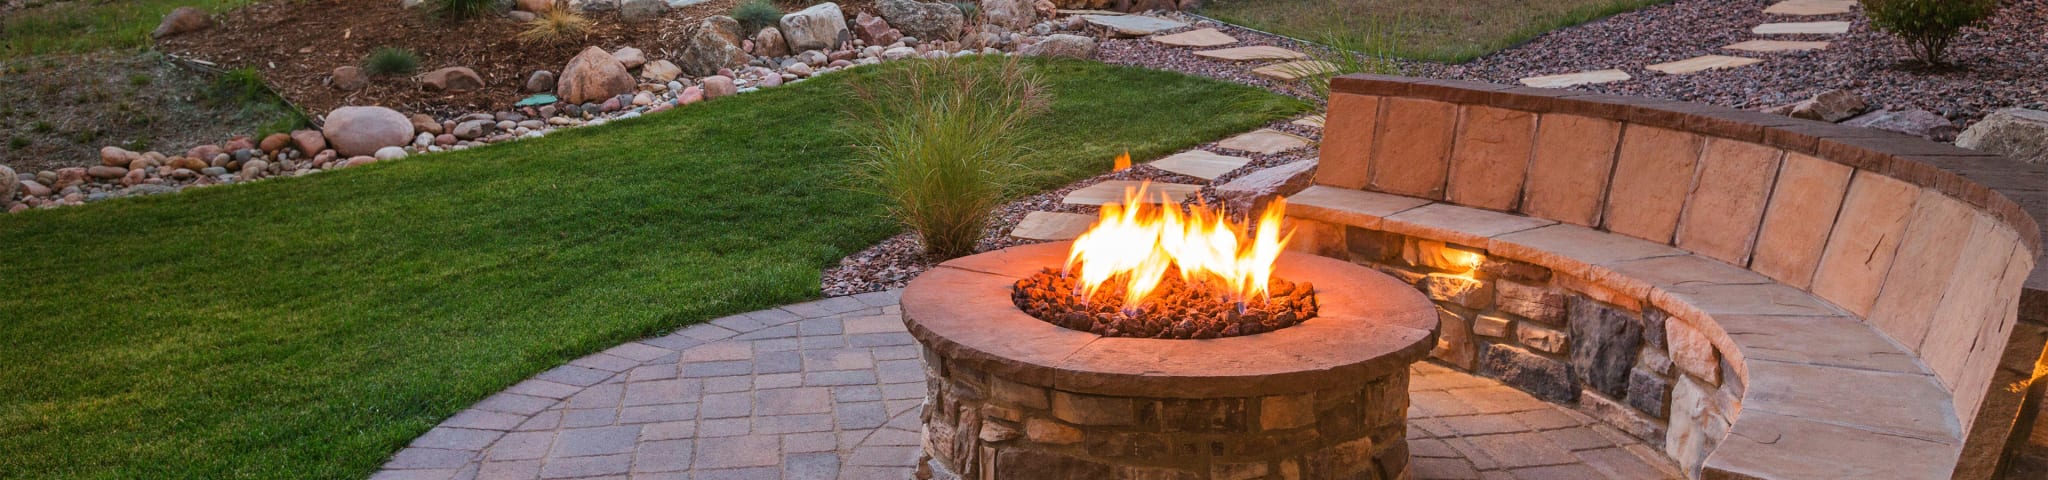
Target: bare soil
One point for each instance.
(60, 109)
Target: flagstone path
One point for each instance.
(1795, 8)
(832, 389)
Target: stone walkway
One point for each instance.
(1799, 8)
(832, 389)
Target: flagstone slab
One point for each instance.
(1802, 28)
(1577, 78)
(1295, 70)
(1052, 226)
(1811, 7)
(1113, 192)
(1200, 164)
(1311, 121)
(1133, 25)
(1264, 141)
(1768, 46)
(1207, 37)
(1702, 63)
(1255, 52)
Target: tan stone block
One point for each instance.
(1909, 406)
(1695, 424)
(1727, 202)
(1971, 303)
(1047, 431)
(1281, 412)
(1459, 225)
(1651, 178)
(1531, 302)
(1568, 176)
(1414, 154)
(1685, 269)
(1017, 394)
(1315, 237)
(1710, 300)
(1827, 340)
(1491, 326)
(1860, 249)
(1490, 157)
(1804, 202)
(1348, 141)
(1454, 343)
(1982, 390)
(1767, 445)
(1093, 410)
(1458, 289)
(1691, 351)
(1540, 338)
(1576, 78)
(1574, 250)
(1936, 234)
(1348, 207)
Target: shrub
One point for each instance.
(1927, 26)
(558, 25)
(942, 142)
(391, 61)
(464, 9)
(755, 15)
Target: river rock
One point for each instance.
(925, 20)
(769, 43)
(819, 27)
(9, 183)
(452, 79)
(660, 71)
(473, 129)
(718, 86)
(349, 78)
(714, 45)
(254, 169)
(113, 156)
(309, 141)
(104, 172)
(2017, 133)
(363, 130)
(541, 81)
(275, 142)
(182, 20)
(630, 57)
(874, 30)
(390, 153)
(592, 76)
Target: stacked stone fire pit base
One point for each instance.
(1012, 396)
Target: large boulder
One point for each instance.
(452, 79)
(184, 19)
(1915, 122)
(925, 20)
(363, 130)
(1011, 14)
(714, 45)
(2018, 133)
(820, 27)
(592, 77)
(1061, 45)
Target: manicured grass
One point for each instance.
(1450, 31)
(308, 327)
(79, 26)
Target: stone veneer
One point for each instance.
(1015, 397)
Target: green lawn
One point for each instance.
(1450, 31)
(79, 26)
(308, 327)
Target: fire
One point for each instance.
(1138, 243)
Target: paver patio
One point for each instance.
(831, 389)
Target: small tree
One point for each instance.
(1927, 26)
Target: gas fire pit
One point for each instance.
(1016, 396)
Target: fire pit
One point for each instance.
(1016, 396)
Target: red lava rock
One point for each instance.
(1177, 309)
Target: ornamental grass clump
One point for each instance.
(457, 10)
(755, 15)
(558, 25)
(1369, 49)
(392, 61)
(1927, 26)
(942, 141)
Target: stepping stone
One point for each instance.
(1811, 7)
(1264, 141)
(1199, 164)
(1113, 192)
(1580, 78)
(1768, 46)
(1258, 52)
(1802, 28)
(1296, 70)
(1052, 226)
(1132, 25)
(1207, 37)
(1702, 63)
(1311, 121)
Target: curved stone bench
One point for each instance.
(1768, 297)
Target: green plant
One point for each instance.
(464, 9)
(942, 142)
(755, 15)
(138, 79)
(17, 142)
(1368, 49)
(1927, 26)
(970, 10)
(558, 25)
(391, 61)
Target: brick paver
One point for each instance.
(832, 389)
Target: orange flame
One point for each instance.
(1123, 162)
(1139, 242)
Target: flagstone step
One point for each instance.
(1207, 37)
(1200, 164)
(1311, 121)
(1113, 192)
(1264, 141)
(1802, 28)
(1052, 226)
(1767, 46)
(1255, 52)
(1295, 70)
(1577, 78)
(1811, 7)
(1702, 63)
(1133, 25)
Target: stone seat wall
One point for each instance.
(1768, 297)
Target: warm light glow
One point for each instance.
(1466, 261)
(1136, 243)
(1123, 162)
